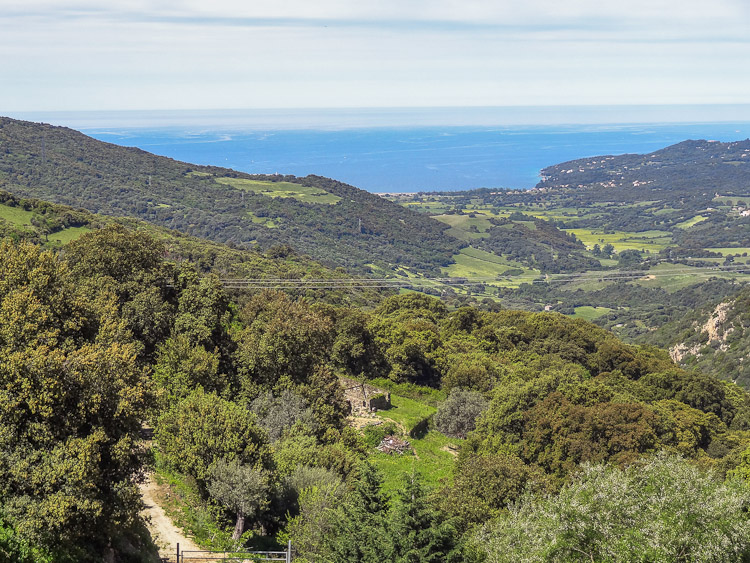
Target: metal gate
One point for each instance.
(235, 556)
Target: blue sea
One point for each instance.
(388, 151)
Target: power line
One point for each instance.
(457, 281)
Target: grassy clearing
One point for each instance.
(15, 215)
(67, 235)
(407, 412)
(473, 263)
(464, 227)
(690, 222)
(590, 313)
(730, 250)
(265, 221)
(431, 459)
(431, 207)
(652, 241)
(282, 189)
(425, 395)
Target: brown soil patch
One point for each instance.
(451, 449)
(360, 422)
(163, 531)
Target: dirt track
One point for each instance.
(164, 533)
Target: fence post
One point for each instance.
(178, 552)
(289, 552)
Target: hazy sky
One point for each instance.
(190, 54)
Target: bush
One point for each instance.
(664, 509)
(457, 416)
(375, 434)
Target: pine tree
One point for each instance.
(419, 532)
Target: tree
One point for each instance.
(484, 485)
(203, 428)
(240, 488)
(71, 403)
(283, 340)
(311, 530)
(663, 509)
(279, 414)
(358, 532)
(182, 366)
(420, 533)
(457, 416)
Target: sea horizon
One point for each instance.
(400, 150)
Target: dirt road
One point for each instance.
(164, 533)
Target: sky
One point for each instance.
(94, 55)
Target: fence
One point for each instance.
(234, 556)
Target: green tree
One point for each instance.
(484, 485)
(420, 533)
(282, 342)
(182, 366)
(359, 532)
(240, 488)
(203, 428)
(72, 397)
(663, 509)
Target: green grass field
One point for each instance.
(653, 241)
(15, 215)
(407, 412)
(265, 221)
(690, 222)
(282, 189)
(589, 313)
(730, 250)
(461, 225)
(66, 235)
(431, 459)
(473, 263)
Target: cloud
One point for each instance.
(691, 13)
(224, 54)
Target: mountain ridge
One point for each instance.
(65, 166)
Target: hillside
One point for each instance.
(714, 338)
(332, 222)
(492, 411)
(632, 242)
(246, 403)
(54, 226)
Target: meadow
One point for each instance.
(306, 194)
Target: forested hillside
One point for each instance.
(633, 243)
(328, 220)
(713, 337)
(53, 225)
(251, 428)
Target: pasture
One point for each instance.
(299, 192)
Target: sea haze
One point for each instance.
(366, 149)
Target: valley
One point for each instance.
(526, 341)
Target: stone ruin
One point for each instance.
(364, 398)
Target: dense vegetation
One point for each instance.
(63, 166)
(533, 436)
(247, 406)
